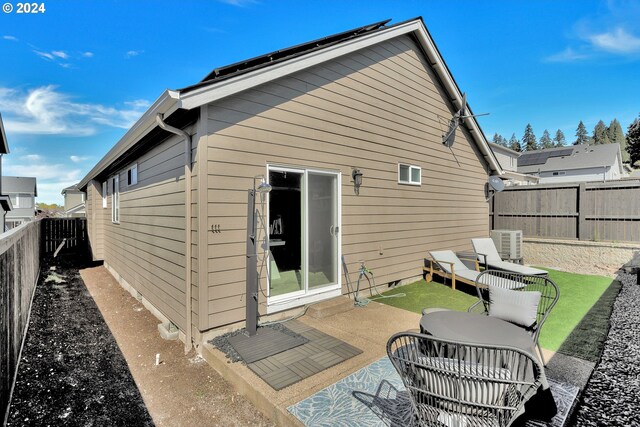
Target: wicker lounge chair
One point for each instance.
(447, 265)
(462, 384)
(548, 298)
(488, 255)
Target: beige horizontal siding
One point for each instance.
(147, 247)
(370, 110)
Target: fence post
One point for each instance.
(582, 211)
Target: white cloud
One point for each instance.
(567, 55)
(60, 54)
(87, 54)
(132, 53)
(79, 159)
(12, 38)
(44, 55)
(45, 110)
(616, 41)
(51, 177)
(239, 3)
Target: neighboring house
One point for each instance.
(307, 118)
(22, 191)
(5, 201)
(73, 202)
(508, 160)
(578, 163)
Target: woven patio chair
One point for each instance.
(463, 384)
(496, 297)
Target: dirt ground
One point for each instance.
(182, 390)
(72, 372)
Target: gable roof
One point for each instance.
(71, 189)
(570, 158)
(234, 78)
(19, 184)
(504, 150)
(4, 145)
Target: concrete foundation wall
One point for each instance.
(602, 258)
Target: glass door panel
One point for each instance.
(286, 232)
(323, 229)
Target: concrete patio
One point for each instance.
(367, 328)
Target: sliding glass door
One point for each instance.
(304, 232)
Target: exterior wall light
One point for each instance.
(357, 180)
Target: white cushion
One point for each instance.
(519, 307)
(486, 246)
(448, 257)
(471, 387)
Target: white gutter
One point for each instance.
(166, 104)
(187, 223)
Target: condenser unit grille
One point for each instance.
(508, 243)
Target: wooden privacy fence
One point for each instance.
(587, 211)
(73, 231)
(19, 269)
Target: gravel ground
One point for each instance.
(72, 371)
(611, 397)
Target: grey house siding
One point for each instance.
(371, 110)
(72, 199)
(147, 247)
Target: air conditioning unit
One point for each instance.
(508, 243)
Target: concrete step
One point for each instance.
(330, 307)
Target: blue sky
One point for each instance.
(75, 77)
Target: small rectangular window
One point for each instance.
(559, 173)
(409, 174)
(104, 194)
(132, 175)
(115, 199)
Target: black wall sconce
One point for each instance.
(357, 180)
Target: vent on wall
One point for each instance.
(508, 243)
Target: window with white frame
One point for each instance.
(132, 175)
(104, 194)
(409, 174)
(115, 199)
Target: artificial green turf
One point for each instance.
(578, 293)
(587, 339)
(423, 294)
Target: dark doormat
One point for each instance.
(288, 367)
(265, 343)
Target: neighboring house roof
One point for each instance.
(504, 150)
(71, 189)
(178, 107)
(19, 184)
(568, 158)
(4, 145)
(75, 209)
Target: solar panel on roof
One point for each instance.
(560, 153)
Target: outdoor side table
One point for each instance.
(482, 329)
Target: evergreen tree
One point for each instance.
(633, 141)
(616, 136)
(529, 139)
(559, 140)
(581, 134)
(499, 139)
(545, 140)
(600, 134)
(514, 143)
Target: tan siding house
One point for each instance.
(373, 100)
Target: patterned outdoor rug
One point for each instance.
(375, 396)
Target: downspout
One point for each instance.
(187, 222)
